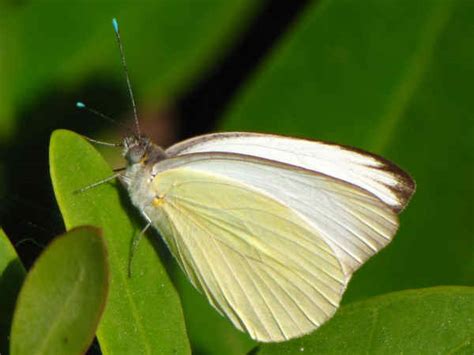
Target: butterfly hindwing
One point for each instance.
(256, 260)
(354, 222)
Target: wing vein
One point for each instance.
(210, 237)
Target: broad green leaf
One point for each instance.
(143, 313)
(392, 77)
(167, 43)
(63, 296)
(210, 333)
(435, 320)
(12, 274)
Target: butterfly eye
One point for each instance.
(135, 154)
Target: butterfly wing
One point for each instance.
(352, 221)
(256, 260)
(270, 245)
(368, 171)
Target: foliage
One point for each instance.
(424, 321)
(63, 296)
(12, 275)
(132, 306)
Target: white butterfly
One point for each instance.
(269, 228)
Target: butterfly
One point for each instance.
(268, 228)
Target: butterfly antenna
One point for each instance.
(82, 106)
(125, 69)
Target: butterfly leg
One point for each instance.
(134, 245)
(98, 183)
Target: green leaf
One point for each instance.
(63, 297)
(143, 313)
(167, 43)
(392, 77)
(427, 321)
(12, 274)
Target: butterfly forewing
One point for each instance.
(368, 171)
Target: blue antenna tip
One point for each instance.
(115, 24)
(80, 104)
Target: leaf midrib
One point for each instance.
(413, 76)
(60, 313)
(123, 279)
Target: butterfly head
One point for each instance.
(138, 149)
(135, 148)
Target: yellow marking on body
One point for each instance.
(144, 159)
(158, 201)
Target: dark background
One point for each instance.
(28, 209)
